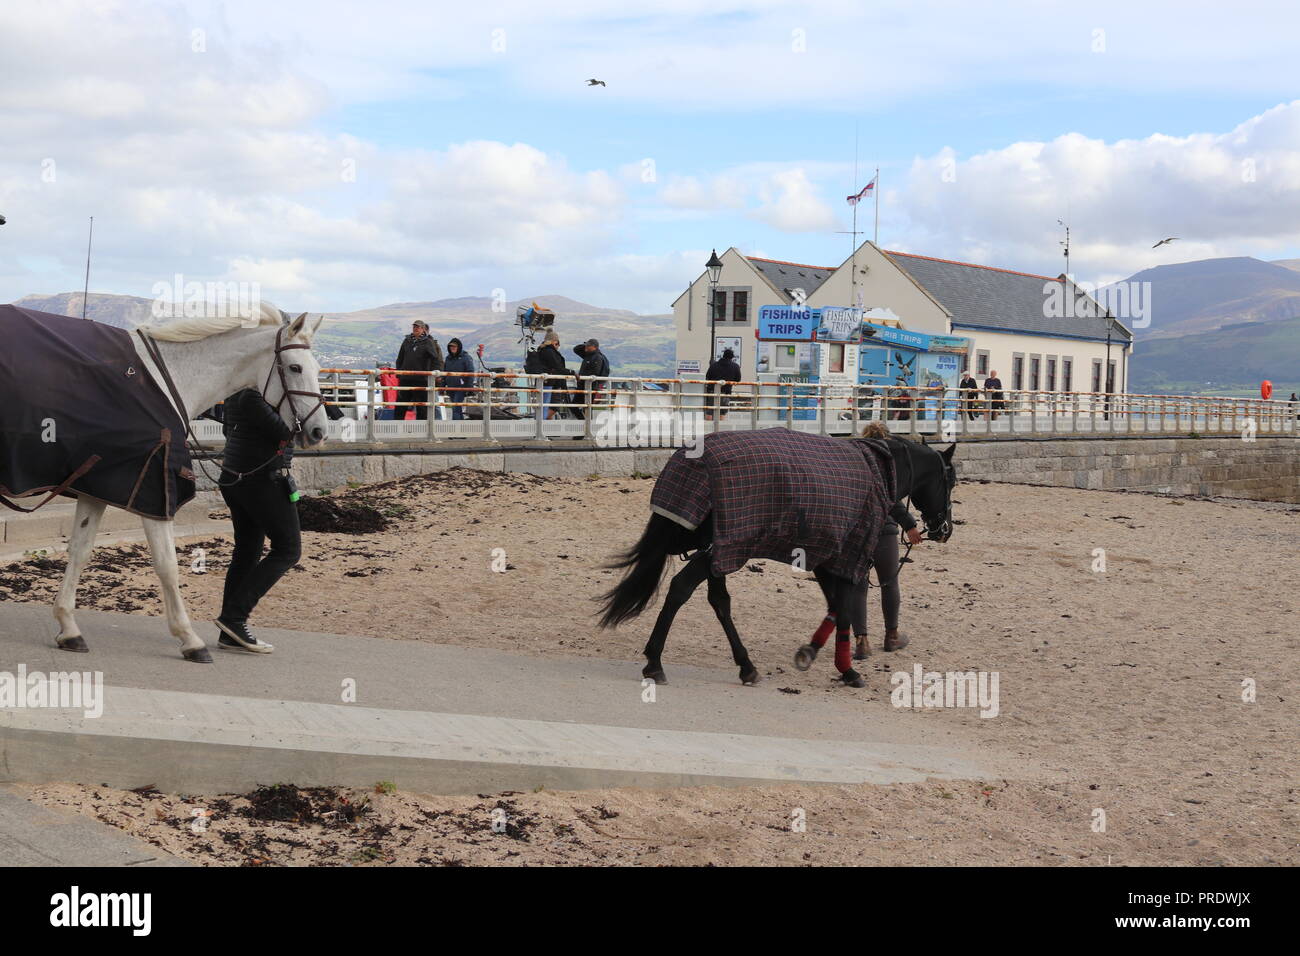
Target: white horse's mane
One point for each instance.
(192, 330)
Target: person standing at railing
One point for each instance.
(551, 361)
(993, 389)
(418, 353)
(388, 382)
(1295, 406)
(456, 387)
(970, 392)
(723, 369)
(594, 366)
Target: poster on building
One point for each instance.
(802, 396)
(724, 342)
(688, 367)
(939, 370)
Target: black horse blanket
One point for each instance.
(803, 499)
(79, 412)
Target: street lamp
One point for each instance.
(1107, 378)
(714, 265)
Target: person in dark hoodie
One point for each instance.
(885, 562)
(420, 354)
(456, 387)
(552, 362)
(724, 368)
(594, 366)
(258, 492)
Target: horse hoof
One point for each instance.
(197, 655)
(750, 677)
(853, 679)
(658, 676)
(75, 644)
(804, 657)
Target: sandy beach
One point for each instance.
(1126, 684)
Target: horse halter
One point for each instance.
(287, 392)
(941, 528)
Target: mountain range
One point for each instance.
(1216, 326)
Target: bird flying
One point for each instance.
(595, 82)
(1164, 242)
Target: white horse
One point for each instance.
(209, 359)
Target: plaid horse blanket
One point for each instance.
(80, 412)
(774, 491)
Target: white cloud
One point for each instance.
(1230, 193)
(791, 203)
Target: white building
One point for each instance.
(1036, 332)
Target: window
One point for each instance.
(982, 363)
(1110, 377)
(1050, 384)
(835, 360)
(1067, 375)
(1096, 375)
(1035, 367)
(740, 306)
(786, 356)
(719, 306)
(1017, 372)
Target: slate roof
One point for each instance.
(792, 275)
(997, 298)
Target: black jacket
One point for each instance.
(457, 362)
(594, 365)
(725, 369)
(994, 387)
(419, 355)
(255, 435)
(898, 516)
(553, 361)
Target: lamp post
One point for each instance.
(1107, 380)
(714, 265)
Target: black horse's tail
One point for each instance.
(644, 563)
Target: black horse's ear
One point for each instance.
(947, 452)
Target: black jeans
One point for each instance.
(885, 561)
(259, 509)
(418, 391)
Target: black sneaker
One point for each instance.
(235, 636)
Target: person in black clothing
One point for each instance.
(724, 368)
(594, 366)
(969, 395)
(456, 387)
(419, 353)
(552, 361)
(885, 561)
(257, 489)
(993, 389)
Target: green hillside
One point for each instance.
(1229, 361)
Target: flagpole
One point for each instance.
(876, 189)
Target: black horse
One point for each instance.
(925, 475)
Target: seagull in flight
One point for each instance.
(1164, 242)
(595, 82)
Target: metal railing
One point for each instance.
(619, 411)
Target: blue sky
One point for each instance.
(214, 139)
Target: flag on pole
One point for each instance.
(867, 190)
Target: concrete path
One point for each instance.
(436, 719)
(32, 835)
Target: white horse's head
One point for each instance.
(292, 386)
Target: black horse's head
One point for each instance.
(933, 478)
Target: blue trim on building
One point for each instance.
(1117, 340)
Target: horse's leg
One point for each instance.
(843, 591)
(85, 524)
(804, 657)
(720, 599)
(162, 549)
(680, 590)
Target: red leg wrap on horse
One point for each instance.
(843, 659)
(823, 631)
